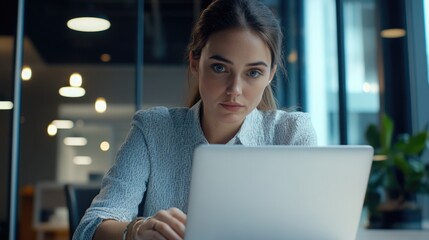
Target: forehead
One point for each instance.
(238, 45)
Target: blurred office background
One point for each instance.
(343, 68)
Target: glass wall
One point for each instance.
(321, 69)
(426, 15)
(362, 85)
(101, 64)
(73, 137)
(8, 13)
(77, 103)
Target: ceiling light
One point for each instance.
(75, 141)
(82, 160)
(26, 73)
(88, 24)
(104, 146)
(63, 124)
(366, 87)
(52, 130)
(6, 105)
(72, 91)
(370, 87)
(100, 105)
(105, 57)
(75, 80)
(292, 57)
(393, 33)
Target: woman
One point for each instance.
(234, 54)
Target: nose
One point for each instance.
(234, 86)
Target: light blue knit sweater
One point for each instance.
(155, 160)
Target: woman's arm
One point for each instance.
(110, 230)
(165, 224)
(127, 177)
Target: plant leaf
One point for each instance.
(373, 136)
(386, 133)
(416, 144)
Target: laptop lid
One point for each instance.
(277, 192)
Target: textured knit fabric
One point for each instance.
(155, 160)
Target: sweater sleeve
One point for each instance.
(123, 186)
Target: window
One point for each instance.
(321, 69)
(426, 15)
(360, 42)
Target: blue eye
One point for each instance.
(218, 68)
(254, 74)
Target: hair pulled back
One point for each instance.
(242, 14)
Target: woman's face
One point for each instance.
(232, 72)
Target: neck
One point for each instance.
(216, 132)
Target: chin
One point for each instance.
(232, 118)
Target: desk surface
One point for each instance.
(365, 234)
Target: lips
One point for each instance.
(232, 106)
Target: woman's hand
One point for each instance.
(165, 224)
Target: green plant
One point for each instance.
(398, 172)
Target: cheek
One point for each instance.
(206, 87)
(210, 83)
(256, 91)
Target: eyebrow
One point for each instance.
(222, 59)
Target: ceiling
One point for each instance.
(167, 26)
(54, 51)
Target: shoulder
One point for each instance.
(290, 127)
(281, 117)
(159, 120)
(157, 115)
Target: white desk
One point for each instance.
(366, 234)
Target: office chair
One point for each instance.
(79, 198)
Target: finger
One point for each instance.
(180, 226)
(174, 223)
(178, 214)
(165, 230)
(147, 231)
(152, 235)
(155, 235)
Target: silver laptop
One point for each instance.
(277, 192)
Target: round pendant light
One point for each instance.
(88, 24)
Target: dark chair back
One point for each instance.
(79, 198)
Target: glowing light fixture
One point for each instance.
(26, 73)
(292, 57)
(105, 57)
(88, 24)
(393, 33)
(370, 87)
(75, 80)
(75, 141)
(63, 124)
(52, 130)
(72, 91)
(104, 146)
(82, 160)
(6, 105)
(100, 105)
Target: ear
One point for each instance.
(273, 72)
(193, 64)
